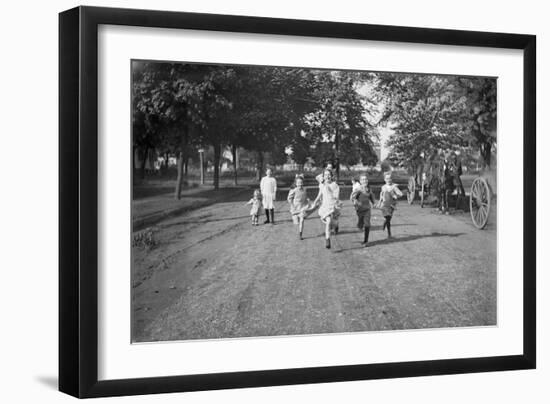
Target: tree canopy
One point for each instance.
(431, 113)
(296, 112)
(307, 114)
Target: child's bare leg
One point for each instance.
(366, 238)
(328, 225)
(327, 222)
(388, 225)
(301, 227)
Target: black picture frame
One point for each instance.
(78, 201)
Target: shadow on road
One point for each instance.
(203, 221)
(401, 239)
(373, 228)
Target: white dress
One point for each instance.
(330, 200)
(268, 188)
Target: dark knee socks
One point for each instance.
(267, 215)
(272, 215)
(366, 239)
(387, 224)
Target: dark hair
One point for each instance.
(298, 177)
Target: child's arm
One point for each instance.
(397, 191)
(290, 197)
(353, 196)
(250, 202)
(371, 198)
(316, 201)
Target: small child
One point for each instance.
(256, 203)
(300, 206)
(388, 197)
(330, 205)
(362, 198)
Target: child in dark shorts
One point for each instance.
(363, 199)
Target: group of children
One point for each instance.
(327, 202)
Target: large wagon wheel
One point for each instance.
(480, 202)
(411, 190)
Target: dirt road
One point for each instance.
(213, 275)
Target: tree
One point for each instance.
(149, 103)
(165, 99)
(268, 110)
(480, 113)
(430, 113)
(338, 127)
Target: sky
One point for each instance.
(384, 132)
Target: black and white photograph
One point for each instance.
(274, 201)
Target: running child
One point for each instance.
(388, 199)
(329, 198)
(363, 199)
(299, 204)
(256, 203)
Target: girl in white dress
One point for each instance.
(268, 188)
(329, 198)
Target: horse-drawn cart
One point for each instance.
(437, 180)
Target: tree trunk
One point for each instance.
(186, 165)
(179, 181)
(337, 147)
(260, 164)
(183, 146)
(217, 155)
(134, 148)
(164, 166)
(134, 172)
(144, 162)
(234, 153)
